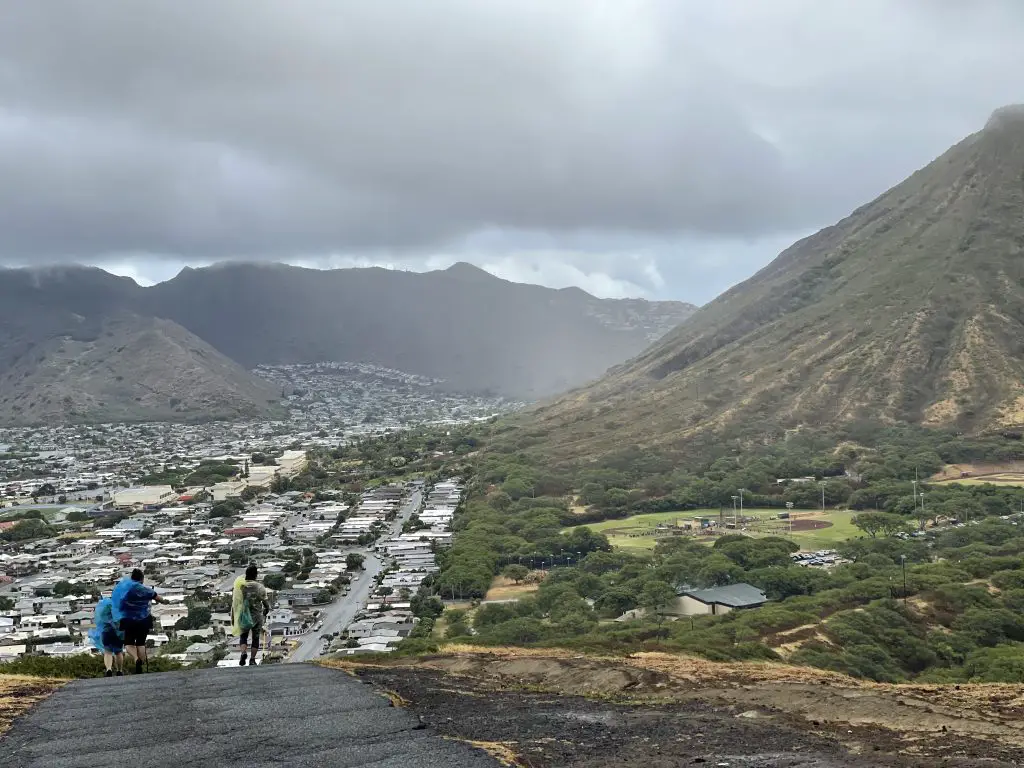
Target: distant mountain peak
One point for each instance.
(1010, 115)
(464, 269)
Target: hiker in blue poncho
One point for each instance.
(107, 638)
(130, 608)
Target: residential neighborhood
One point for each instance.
(341, 566)
(361, 396)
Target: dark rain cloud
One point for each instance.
(650, 143)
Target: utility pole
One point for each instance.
(741, 501)
(914, 481)
(734, 511)
(822, 484)
(903, 562)
(789, 506)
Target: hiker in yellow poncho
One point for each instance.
(249, 608)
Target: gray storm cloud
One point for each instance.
(258, 129)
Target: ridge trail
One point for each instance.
(279, 715)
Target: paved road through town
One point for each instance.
(340, 613)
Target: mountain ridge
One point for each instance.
(426, 323)
(478, 331)
(910, 309)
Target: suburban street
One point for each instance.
(340, 613)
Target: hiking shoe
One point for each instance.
(252, 662)
(108, 673)
(241, 661)
(138, 667)
(119, 673)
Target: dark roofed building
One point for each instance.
(717, 600)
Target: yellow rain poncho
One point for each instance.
(238, 604)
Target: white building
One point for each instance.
(144, 496)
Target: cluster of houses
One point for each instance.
(367, 398)
(388, 618)
(375, 508)
(256, 476)
(53, 585)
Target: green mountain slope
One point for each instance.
(909, 310)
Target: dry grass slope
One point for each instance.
(909, 310)
(19, 693)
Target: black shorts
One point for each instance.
(257, 633)
(136, 630)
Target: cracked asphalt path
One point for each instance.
(277, 715)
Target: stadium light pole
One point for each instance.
(903, 562)
(789, 506)
(734, 511)
(741, 500)
(822, 484)
(914, 481)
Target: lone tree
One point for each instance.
(656, 597)
(516, 572)
(46, 489)
(274, 581)
(354, 561)
(874, 523)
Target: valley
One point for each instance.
(512, 385)
(80, 345)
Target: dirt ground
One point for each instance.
(543, 708)
(810, 525)
(19, 693)
(1009, 473)
(506, 589)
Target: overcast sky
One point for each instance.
(631, 147)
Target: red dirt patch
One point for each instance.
(810, 525)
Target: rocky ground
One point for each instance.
(540, 709)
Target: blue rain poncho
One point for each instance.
(131, 600)
(104, 635)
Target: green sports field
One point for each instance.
(811, 530)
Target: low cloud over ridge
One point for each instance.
(635, 145)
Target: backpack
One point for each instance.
(245, 618)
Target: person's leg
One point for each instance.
(243, 643)
(130, 642)
(119, 663)
(108, 663)
(135, 642)
(256, 632)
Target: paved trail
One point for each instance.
(294, 715)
